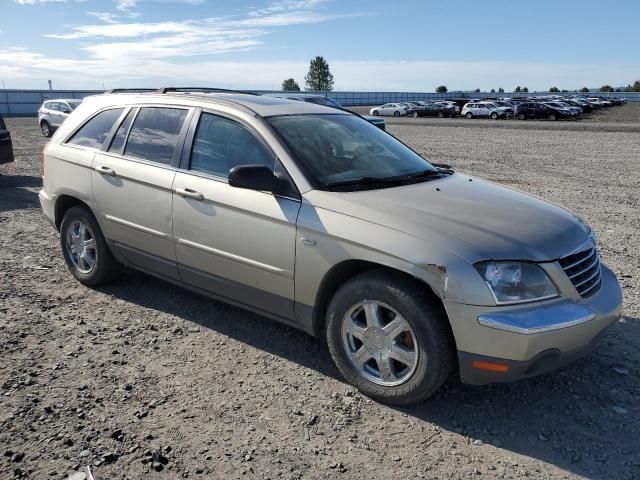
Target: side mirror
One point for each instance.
(66, 110)
(253, 177)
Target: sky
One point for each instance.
(409, 45)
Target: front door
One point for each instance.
(236, 243)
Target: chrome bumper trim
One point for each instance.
(541, 319)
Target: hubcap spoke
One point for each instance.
(81, 246)
(403, 355)
(356, 331)
(396, 327)
(387, 370)
(372, 313)
(362, 356)
(89, 244)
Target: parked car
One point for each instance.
(565, 110)
(329, 102)
(395, 109)
(484, 109)
(435, 110)
(6, 145)
(53, 112)
(537, 110)
(313, 217)
(584, 106)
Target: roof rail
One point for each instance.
(201, 90)
(129, 90)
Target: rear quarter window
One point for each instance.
(154, 134)
(94, 133)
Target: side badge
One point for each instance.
(309, 243)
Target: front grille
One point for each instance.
(583, 269)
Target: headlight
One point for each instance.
(514, 282)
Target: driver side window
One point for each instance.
(220, 144)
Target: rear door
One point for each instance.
(6, 147)
(132, 182)
(236, 243)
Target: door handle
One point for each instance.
(189, 193)
(105, 170)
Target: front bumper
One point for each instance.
(498, 344)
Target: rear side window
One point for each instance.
(94, 133)
(154, 135)
(221, 144)
(118, 140)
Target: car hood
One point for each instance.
(484, 220)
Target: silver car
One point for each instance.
(53, 112)
(314, 217)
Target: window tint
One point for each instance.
(120, 136)
(94, 133)
(221, 144)
(154, 135)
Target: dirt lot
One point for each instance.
(144, 380)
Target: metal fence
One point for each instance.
(25, 103)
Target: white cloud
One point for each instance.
(105, 17)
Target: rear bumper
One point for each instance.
(48, 204)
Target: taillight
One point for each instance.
(44, 150)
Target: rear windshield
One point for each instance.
(74, 103)
(336, 148)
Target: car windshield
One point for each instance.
(334, 149)
(74, 103)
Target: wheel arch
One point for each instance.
(63, 204)
(343, 272)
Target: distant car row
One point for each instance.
(549, 107)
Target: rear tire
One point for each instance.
(494, 116)
(421, 333)
(85, 250)
(415, 115)
(469, 115)
(522, 116)
(376, 113)
(552, 117)
(45, 128)
(440, 115)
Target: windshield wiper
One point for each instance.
(366, 181)
(429, 173)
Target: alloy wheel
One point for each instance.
(45, 129)
(81, 246)
(380, 343)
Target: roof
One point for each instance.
(262, 105)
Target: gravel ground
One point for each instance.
(142, 379)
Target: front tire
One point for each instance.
(396, 113)
(389, 337)
(85, 250)
(45, 128)
(552, 117)
(469, 115)
(415, 114)
(440, 114)
(522, 116)
(376, 113)
(494, 116)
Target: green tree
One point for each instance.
(441, 89)
(607, 88)
(554, 90)
(493, 90)
(584, 90)
(633, 88)
(477, 90)
(525, 89)
(500, 90)
(518, 89)
(319, 78)
(290, 85)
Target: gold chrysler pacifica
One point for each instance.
(314, 217)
